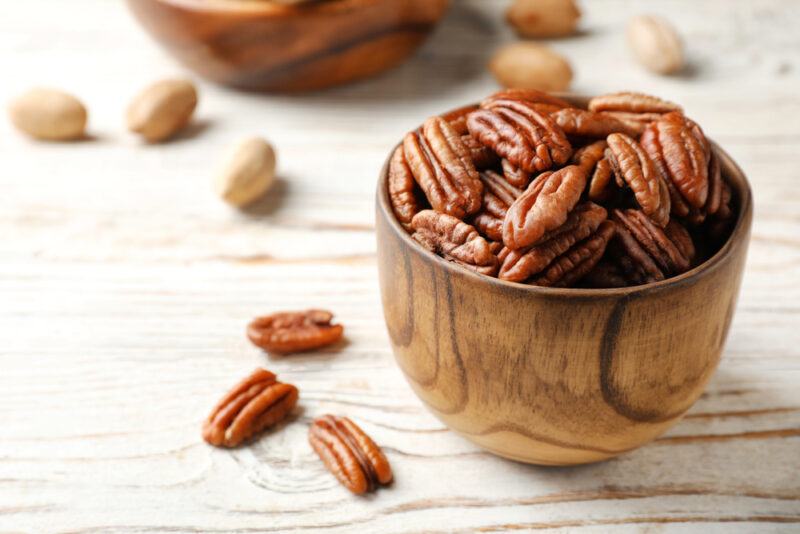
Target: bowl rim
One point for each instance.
(737, 179)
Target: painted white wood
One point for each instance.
(125, 286)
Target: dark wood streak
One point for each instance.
(742, 413)
(758, 434)
(637, 521)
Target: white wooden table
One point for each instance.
(125, 286)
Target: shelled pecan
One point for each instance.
(454, 240)
(401, 189)
(353, 458)
(632, 102)
(288, 332)
(253, 405)
(498, 195)
(514, 175)
(575, 263)
(543, 101)
(579, 122)
(483, 157)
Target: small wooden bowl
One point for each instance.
(557, 376)
(261, 45)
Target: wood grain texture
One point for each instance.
(281, 47)
(126, 286)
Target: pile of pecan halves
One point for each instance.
(529, 188)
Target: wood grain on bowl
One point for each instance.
(557, 376)
(261, 45)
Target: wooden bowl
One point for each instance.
(261, 45)
(557, 376)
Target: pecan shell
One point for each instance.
(498, 195)
(353, 458)
(632, 166)
(454, 240)
(289, 332)
(443, 167)
(582, 123)
(681, 152)
(402, 189)
(256, 403)
(519, 265)
(516, 131)
(632, 102)
(543, 206)
(579, 260)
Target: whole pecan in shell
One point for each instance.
(498, 195)
(579, 260)
(516, 131)
(544, 206)
(401, 189)
(442, 166)
(256, 403)
(353, 458)
(454, 240)
(632, 102)
(288, 332)
(582, 123)
(633, 167)
(681, 152)
(519, 265)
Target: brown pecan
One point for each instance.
(288, 332)
(545, 102)
(481, 156)
(592, 159)
(517, 132)
(715, 185)
(604, 275)
(636, 122)
(443, 168)
(579, 260)
(514, 175)
(543, 206)
(582, 123)
(519, 265)
(458, 118)
(633, 167)
(402, 189)
(652, 253)
(588, 156)
(454, 240)
(632, 103)
(498, 195)
(681, 152)
(256, 403)
(353, 458)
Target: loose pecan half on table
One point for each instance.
(253, 405)
(288, 332)
(533, 189)
(356, 461)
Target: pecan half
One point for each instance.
(579, 260)
(543, 207)
(592, 159)
(458, 118)
(636, 122)
(681, 151)
(254, 404)
(402, 189)
(632, 166)
(544, 101)
(514, 175)
(481, 156)
(498, 195)
(353, 458)
(632, 102)
(288, 332)
(519, 265)
(516, 131)
(587, 157)
(454, 240)
(443, 168)
(579, 122)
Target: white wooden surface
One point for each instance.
(125, 286)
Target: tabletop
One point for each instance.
(125, 287)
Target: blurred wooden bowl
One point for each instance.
(264, 45)
(557, 376)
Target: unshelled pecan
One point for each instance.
(579, 260)
(401, 189)
(519, 265)
(544, 206)
(454, 240)
(498, 195)
(481, 156)
(680, 150)
(516, 131)
(633, 167)
(442, 166)
(582, 123)
(514, 175)
(353, 458)
(632, 102)
(288, 332)
(256, 403)
(544, 102)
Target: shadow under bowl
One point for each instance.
(557, 376)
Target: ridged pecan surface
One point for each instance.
(514, 175)
(401, 189)
(544, 101)
(353, 458)
(575, 263)
(256, 403)
(632, 102)
(481, 156)
(454, 240)
(498, 195)
(288, 332)
(579, 122)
